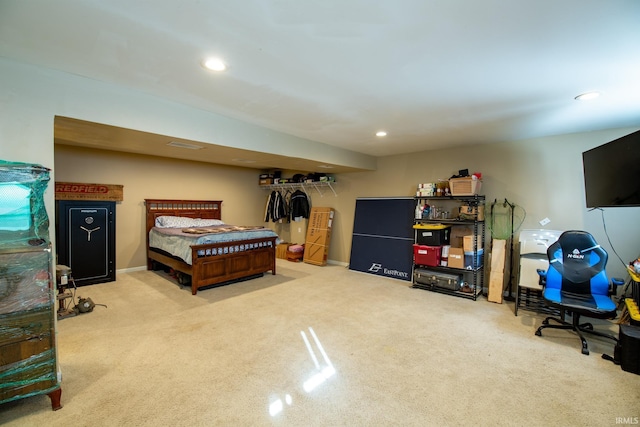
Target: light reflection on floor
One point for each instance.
(324, 370)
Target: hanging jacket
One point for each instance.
(299, 205)
(276, 208)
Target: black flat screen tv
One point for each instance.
(612, 173)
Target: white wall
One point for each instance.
(147, 177)
(30, 97)
(542, 175)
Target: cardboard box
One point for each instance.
(281, 250)
(466, 186)
(467, 242)
(456, 258)
(318, 236)
(456, 237)
(266, 181)
(472, 212)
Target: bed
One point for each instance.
(212, 258)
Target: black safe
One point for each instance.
(86, 240)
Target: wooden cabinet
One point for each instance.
(27, 333)
(28, 357)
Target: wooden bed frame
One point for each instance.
(208, 268)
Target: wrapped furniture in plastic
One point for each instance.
(28, 358)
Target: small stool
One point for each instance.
(295, 253)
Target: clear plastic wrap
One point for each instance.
(26, 377)
(27, 300)
(23, 215)
(25, 280)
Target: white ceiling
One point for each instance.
(431, 73)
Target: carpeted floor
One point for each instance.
(320, 346)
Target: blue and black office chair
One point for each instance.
(576, 283)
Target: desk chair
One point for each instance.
(576, 283)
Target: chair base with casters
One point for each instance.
(578, 327)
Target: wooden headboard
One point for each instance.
(209, 209)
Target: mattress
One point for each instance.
(178, 241)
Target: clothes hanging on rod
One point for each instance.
(276, 208)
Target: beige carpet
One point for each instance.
(320, 346)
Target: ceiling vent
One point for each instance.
(185, 145)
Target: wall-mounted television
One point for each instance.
(612, 173)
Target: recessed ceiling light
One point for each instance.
(244, 161)
(325, 166)
(214, 64)
(186, 145)
(381, 133)
(588, 96)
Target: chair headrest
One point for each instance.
(577, 256)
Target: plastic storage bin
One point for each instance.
(427, 255)
(468, 260)
(432, 234)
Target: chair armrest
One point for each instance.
(543, 277)
(615, 282)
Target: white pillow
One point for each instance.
(167, 221)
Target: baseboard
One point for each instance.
(131, 270)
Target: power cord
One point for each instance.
(625, 290)
(83, 305)
(604, 225)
